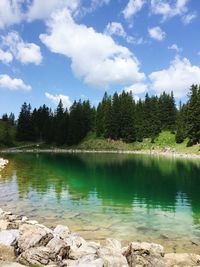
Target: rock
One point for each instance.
(61, 231)
(182, 259)
(9, 237)
(33, 236)
(10, 264)
(58, 248)
(111, 254)
(35, 256)
(87, 261)
(7, 225)
(76, 253)
(75, 240)
(7, 253)
(145, 254)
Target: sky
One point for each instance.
(78, 49)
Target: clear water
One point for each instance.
(128, 197)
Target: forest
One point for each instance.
(117, 117)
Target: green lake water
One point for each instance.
(127, 197)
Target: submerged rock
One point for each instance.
(145, 254)
(182, 259)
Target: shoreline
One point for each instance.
(27, 242)
(167, 153)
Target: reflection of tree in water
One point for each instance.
(116, 180)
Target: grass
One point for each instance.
(165, 139)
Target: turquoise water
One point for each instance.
(128, 197)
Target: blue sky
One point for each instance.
(72, 49)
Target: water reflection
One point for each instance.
(161, 193)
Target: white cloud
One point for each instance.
(24, 52)
(56, 98)
(168, 10)
(42, 10)
(7, 82)
(5, 56)
(10, 12)
(132, 8)
(178, 78)
(95, 57)
(116, 28)
(187, 19)
(175, 47)
(156, 33)
(137, 88)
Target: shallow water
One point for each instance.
(128, 197)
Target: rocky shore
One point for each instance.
(26, 242)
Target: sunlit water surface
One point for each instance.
(128, 197)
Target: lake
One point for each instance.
(127, 197)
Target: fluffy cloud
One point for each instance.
(5, 56)
(156, 33)
(175, 47)
(24, 52)
(137, 88)
(95, 57)
(116, 28)
(168, 10)
(7, 82)
(10, 12)
(56, 98)
(180, 75)
(42, 10)
(132, 8)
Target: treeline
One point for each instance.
(116, 117)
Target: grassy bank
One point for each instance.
(165, 140)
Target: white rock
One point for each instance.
(33, 236)
(9, 237)
(61, 231)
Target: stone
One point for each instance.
(58, 248)
(182, 259)
(9, 237)
(10, 264)
(111, 254)
(75, 240)
(33, 236)
(87, 261)
(145, 254)
(61, 231)
(7, 253)
(35, 256)
(76, 253)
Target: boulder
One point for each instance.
(75, 240)
(111, 254)
(182, 259)
(61, 231)
(33, 236)
(7, 253)
(10, 264)
(76, 253)
(59, 249)
(145, 254)
(9, 237)
(35, 256)
(7, 225)
(86, 261)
